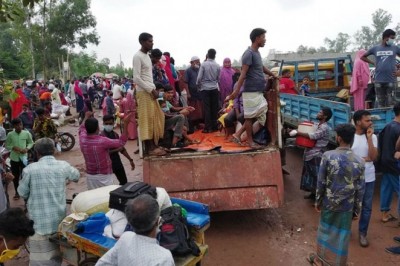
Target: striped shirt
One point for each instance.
(321, 135)
(95, 149)
(43, 185)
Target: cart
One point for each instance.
(78, 250)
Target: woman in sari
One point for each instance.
(359, 81)
(127, 106)
(79, 99)
(225, 80)
(17, 103)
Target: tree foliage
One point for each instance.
(366, 37)
(338, 45)
(43, 36)
(369, 36)
(84, 65)
(302, 49)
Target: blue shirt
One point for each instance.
(191, 78)
(385, 62)
(305, 88)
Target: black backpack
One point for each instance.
(120, 196)
(174, 234)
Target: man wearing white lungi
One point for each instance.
(254, 104)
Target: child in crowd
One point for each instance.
(163, 105)
(305, 88)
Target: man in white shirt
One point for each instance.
(139, 247)
(365, 145)
(55, 95)
(117, 90)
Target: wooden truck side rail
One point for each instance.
(297, 108)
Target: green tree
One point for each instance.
(83, 65)
(370, 36)
(10, 10)
(302, 49)
(10, 60)
(340, 44)
(66, 24)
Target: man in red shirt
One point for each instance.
(286, 84)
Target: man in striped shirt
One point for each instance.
(312, 156)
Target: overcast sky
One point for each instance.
(186, 28)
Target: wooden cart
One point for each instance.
(80, 251)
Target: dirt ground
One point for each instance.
(283, 236)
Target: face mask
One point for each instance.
(390, 42)
(8, 254)
(196, 66)
(108, 128)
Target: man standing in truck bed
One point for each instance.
(254, 104)
(385, 68)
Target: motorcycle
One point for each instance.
(65, 140)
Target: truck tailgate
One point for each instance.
(238, 181)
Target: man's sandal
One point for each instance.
(389, 218)
(236, 140)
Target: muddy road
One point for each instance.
(283, 236)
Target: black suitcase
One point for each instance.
(120, 196)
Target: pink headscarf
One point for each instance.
(77, 89)
(361, 73)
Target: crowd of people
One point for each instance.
(156, 109)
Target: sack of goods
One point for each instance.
(92, 201)
(120, 196)
(174, 234)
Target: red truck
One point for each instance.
(226, 181)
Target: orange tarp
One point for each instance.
(214, 140)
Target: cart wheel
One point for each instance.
(89, 262)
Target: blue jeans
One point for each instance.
(389, 184)
(365, 215)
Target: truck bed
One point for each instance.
(302, 108)
(228, 181)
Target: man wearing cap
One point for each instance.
(193, 94)
(51, 85)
